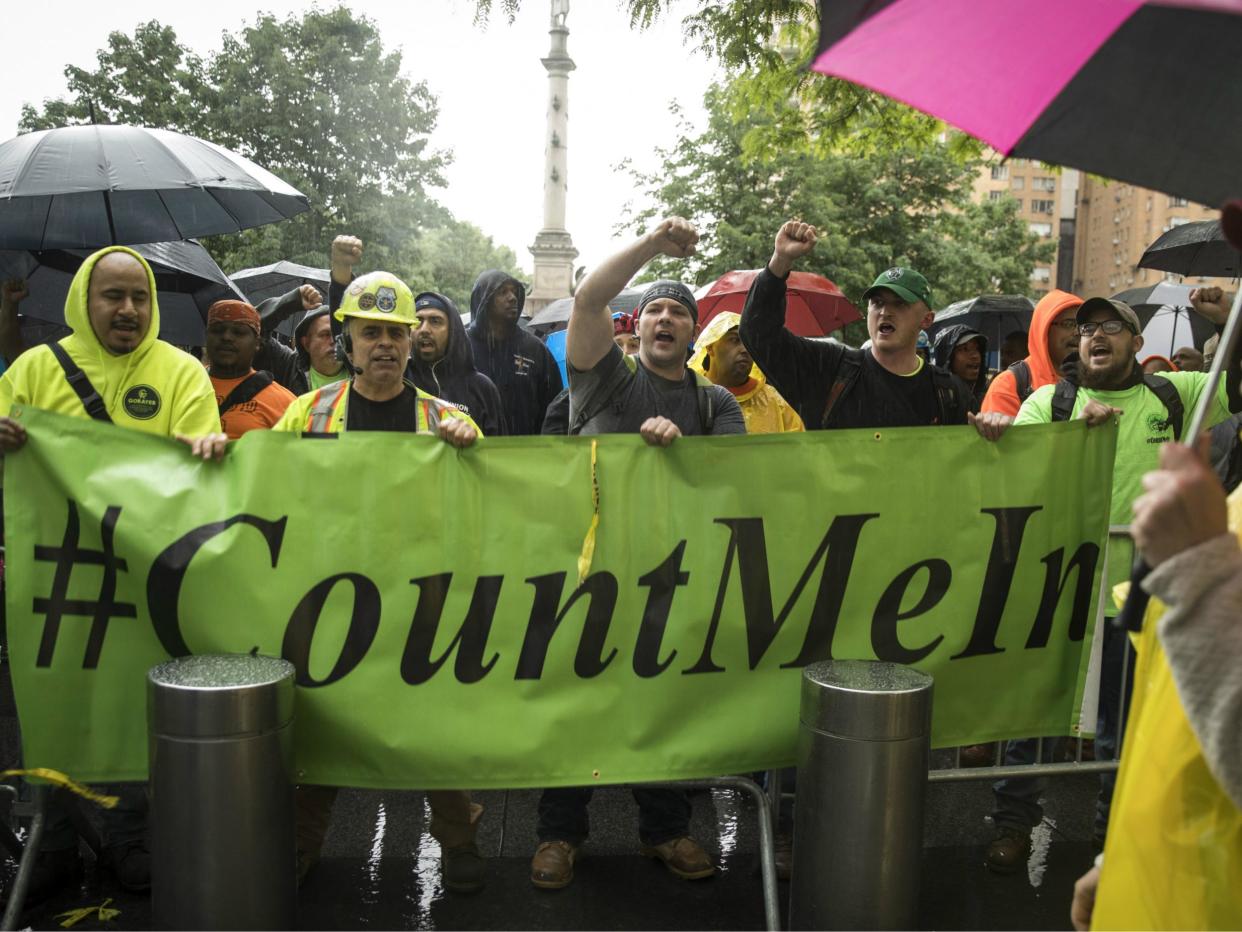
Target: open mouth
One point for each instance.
(125, 326)
(375, 360)
(885, 328)
(1100, 351)
(663, 336)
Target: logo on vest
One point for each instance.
(141, 402)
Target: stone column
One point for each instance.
(553, 250)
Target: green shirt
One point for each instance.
(1143, 428)
(318, 380)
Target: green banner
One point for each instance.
(431, 602)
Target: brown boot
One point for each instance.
(1009, 850)
(552, 867)
(684, 857)
(978, 755)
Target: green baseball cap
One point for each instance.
(907, 284)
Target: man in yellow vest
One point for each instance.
(377, 314)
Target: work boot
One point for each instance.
(130, 863)
(53, 871)
(552, 867)
(1009, 850)
(464, 870)
(978, 755)
(684, 858)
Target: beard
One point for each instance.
(1111, 377)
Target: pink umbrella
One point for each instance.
(1138, 90)
(814, 305)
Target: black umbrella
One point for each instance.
(994, 315)
(187, 280)
(272, 281)
(555, 316)
(1168, 298)
(80, 187)
(1197, 248)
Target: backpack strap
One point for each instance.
(324, 405)
(946, 397)
(707, 403)
(847, 374)
(1063, 398)
(1166, 391)
(246, 389)
(80, 384)
(603, 398)
(1022, 379)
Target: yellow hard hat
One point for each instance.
(378, 296)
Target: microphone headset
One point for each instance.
(344, 346)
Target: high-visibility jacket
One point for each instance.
(325, 410)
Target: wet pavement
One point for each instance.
(380, 866)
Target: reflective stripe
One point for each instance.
(324, 405)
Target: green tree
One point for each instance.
(315, 98)
(874, 210)
(450, 257)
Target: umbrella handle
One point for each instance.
(1130, 618)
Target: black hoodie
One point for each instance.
(454, 378)
(521, 366)
(942, 354)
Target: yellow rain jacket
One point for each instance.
(763, 408)
(1173, 859)
(324, 411)
(157, 388)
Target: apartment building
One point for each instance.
(1115, 225)
(1046, 202)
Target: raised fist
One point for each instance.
(346, 253)
(675, 237)
(311, 298)
(795, 239)
(13, 291)
(1211, 303)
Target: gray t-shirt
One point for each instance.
(624, 399)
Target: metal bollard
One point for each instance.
(221, 746)
(863, 750)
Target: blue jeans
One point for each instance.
(1017, 799)
(663, 814)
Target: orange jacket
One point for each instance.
(1002, 394)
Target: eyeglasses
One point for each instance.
(1110, 327)
(1067, 323)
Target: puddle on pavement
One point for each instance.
(728, 806)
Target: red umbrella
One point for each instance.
(814, 306)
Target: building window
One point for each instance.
(1000, 172)
(1042, 206)
(1017, 183)
(1044, 184)
(996, 195)
(1177, 221)
(1041, 229)
(1041, 274)
(1178, 202)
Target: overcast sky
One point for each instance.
(490, 83)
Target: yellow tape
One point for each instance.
(58, 778)
(588, 543)
(73, 916)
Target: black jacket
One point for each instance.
(806, 372)
(942, 354)
(287, 366)
(455, 379)
(521, 367)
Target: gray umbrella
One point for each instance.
(555, 316)
(1196, 248)
(1169, 298)
(272, 281)
(187, 280)
(81, 187)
